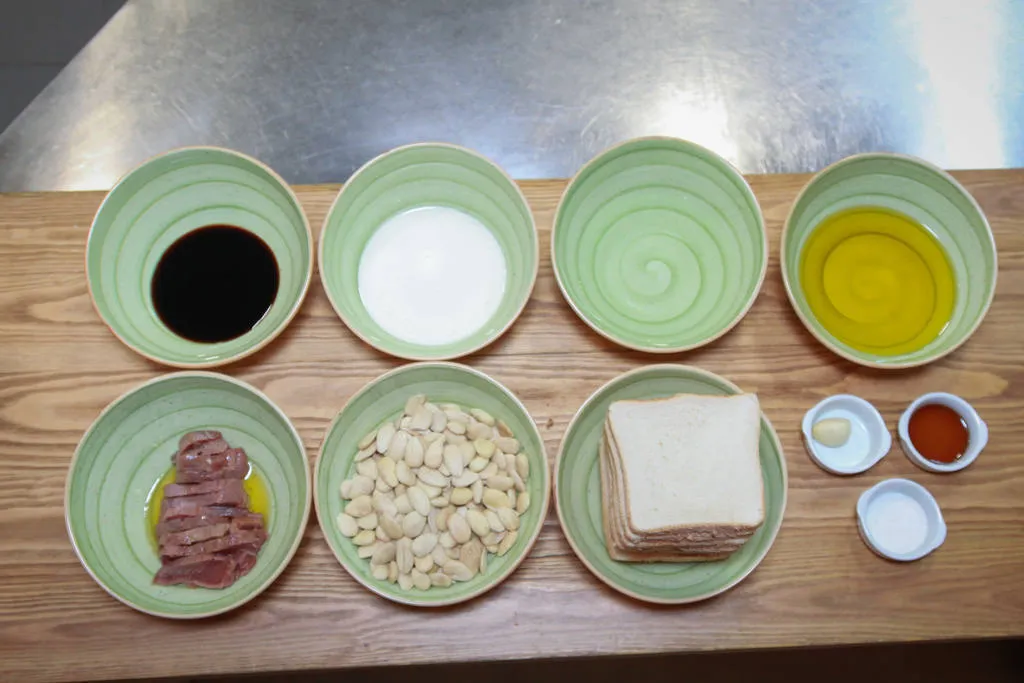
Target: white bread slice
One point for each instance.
(689, 461)
(623, 550)
(688, 535)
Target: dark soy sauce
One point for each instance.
(215, 283)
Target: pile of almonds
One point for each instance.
(434, 492)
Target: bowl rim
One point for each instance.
(529, 542)
(827, 343)
(201, 365)
(288, 555)
(427, 357)
(728, 167)
(675, 368)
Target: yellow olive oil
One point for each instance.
(255, 487)
(878, 281)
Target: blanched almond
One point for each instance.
(420, 580)
(386, 471)
(494, 499)
(384, 553)
(365, 537)
(466, 479)
(523, 502)
(346, 525)
(509, 518)
(499, 482)
(494, 521)
(478, 523)
(367, 440)
(414, 452)
(438, 421)
(404, 474)
(391, 527)
(458, 571)
(405, 582)
(484, 448)
(434, 455)
(368, 521)
(456, 427)
(413, 523)
(424, 544)
(361, 486)
(421, 419)
(384, 436)
(403, 504)
(383, 504)
(461, 496)
(396, 451)
(523, 466)
(477, 431)
(425, 563)
(503, 429)
(367, 468)
(507, 445)
(432, 477)
(453, 460)
(404, 555)
(359, 506)
(440, 580)
(507, 542)
(459, 529)
(379, 572)
(414, 403)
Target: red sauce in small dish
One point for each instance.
(938, 433)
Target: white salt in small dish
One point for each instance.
(900, 520)
(869, 440)
(977, 432)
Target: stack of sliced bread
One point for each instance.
(681, 477)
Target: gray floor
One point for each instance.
(37, 39)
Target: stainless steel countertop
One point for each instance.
(316, 88)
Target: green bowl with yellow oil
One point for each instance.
(888, 261)
(116, 475)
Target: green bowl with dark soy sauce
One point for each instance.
(199, 257)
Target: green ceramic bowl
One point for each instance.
(423, 175)
(923, 192)
(168, 196)
(384, 399)
(578, 493)
(125, 453)
(659, 245)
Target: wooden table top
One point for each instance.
(819, 585)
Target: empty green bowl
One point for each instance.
(659, 245)
(128, 449)
(922, 192)
(417, 176)
(173, 194)
(384, 399)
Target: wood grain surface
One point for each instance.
(59, 366)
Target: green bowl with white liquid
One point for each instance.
(411, 250)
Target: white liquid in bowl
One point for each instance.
(897, 523)
(432, 276)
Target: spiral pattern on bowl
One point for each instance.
(659, 244)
